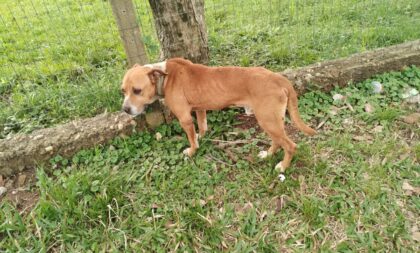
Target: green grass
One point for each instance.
(61, 60)
(137, 194)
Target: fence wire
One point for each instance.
(67, 51)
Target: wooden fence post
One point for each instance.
(125, 17)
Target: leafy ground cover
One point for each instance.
(61, 60)
(352, 188)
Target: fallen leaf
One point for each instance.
(362, 138)
(400, 203)
(349, 106)
(170, 224)
(348, 121)
(410, 215)
(3, 190)
(369, 108)
(413, 99)
(411, 118)
(249, 158)
(205, 218)
(302, 184)
(224, 245)
(409, 92)
(416, 236)
(366, 176)
(409, 189)
(334, 110)
(242, 209)
(203, 202)
(158, 136)
(247, 206)
(404, 156)
(232, 133)
(272, 185)
(378, 129)
(338, 97)
(263, 215)
(231, 155)
(280, 204)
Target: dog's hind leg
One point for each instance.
(272, 121)
(202, 122)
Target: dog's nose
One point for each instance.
(127, 109)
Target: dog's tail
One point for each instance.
(292, 107)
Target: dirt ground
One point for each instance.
(248, 121)
(21, 190)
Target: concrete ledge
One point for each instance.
(356, 68)
(24, 151)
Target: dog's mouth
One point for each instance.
(133, 112)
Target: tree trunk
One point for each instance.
(181, 29)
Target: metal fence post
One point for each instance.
(129, 31)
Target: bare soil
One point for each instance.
(20, 190)
(249, 121)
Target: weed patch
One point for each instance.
(343, 192)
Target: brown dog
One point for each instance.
(190, 87)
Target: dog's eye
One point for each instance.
(136, 91)
(122, 91)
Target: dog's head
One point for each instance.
(139, 88)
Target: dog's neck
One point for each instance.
(161, 82)
(159, 86)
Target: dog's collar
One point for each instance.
(161, 81)
(159, 86)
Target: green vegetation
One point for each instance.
(343, 192)
(63, 59)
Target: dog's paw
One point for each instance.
(282, 177)
(188, 152)
(280, 167)
(263, 154)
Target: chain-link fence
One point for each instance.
(64, 59)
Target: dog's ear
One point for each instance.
(155, 74)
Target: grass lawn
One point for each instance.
(61, 60)
(348, 189)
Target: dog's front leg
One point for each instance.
(201, 122)
(187, 124)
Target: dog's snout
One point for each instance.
(127, 109)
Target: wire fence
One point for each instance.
(63, 50)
